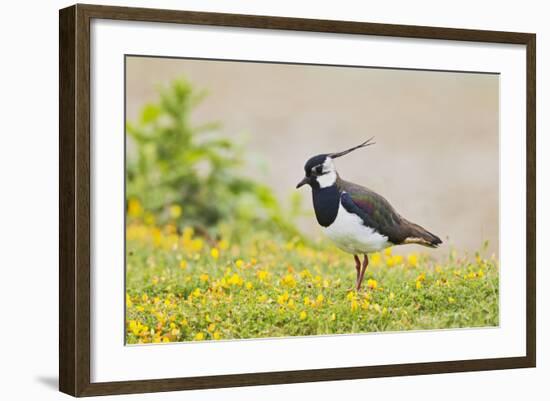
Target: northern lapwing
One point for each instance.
(358, 220)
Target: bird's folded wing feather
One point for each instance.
(375, 211)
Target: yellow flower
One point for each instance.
(262, 275)
(291, 304)
(203, 277)
(303, 315)
(187, 233)
(199, 336)
(289, 281)
(320, 299)
(418, 284)
(217, 335)
(211, 327)
(283, 298)
(480, 273)
(387, 251)
(421, 277)
(134, 327)
(215, 253)
(196, 245)
(184, 322)
(183, 264)
(235, 279)
(412, 259)
(305, 274)
(390, 261)
(223, 245)
(392, 295)
(306, 301)
(196, 292)
(354, 305)
(171, 229)
(262, 298)
(149, 218)
(129, 302)
(165, 339)
(375, 259)
(155, 280)
(333, 317)
(372, 284)
(239, 263)
(144, 297)
(451, 300)
(134, 208)
(248, 285)
(157, 236)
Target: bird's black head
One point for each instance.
(320, 171)
(315, 164)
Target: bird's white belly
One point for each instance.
(350, 234)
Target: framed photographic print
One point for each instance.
(297, 200)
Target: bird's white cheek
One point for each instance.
(327, 180)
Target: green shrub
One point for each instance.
(190, 174)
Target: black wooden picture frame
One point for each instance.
(74, 199)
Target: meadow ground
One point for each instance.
(179, 287)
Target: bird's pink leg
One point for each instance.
(362, 273)
(358, 268)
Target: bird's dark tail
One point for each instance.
(421, 236)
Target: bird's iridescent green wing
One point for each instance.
(375, 211)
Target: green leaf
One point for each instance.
(150, 113)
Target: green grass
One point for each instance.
(181, 289)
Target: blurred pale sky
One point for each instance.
(436, 157)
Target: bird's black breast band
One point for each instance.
(326, 202)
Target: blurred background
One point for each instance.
(436, 157)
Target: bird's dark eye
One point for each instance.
(319, 169)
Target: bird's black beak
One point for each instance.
(304, 181)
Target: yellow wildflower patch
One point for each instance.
(180, 288)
